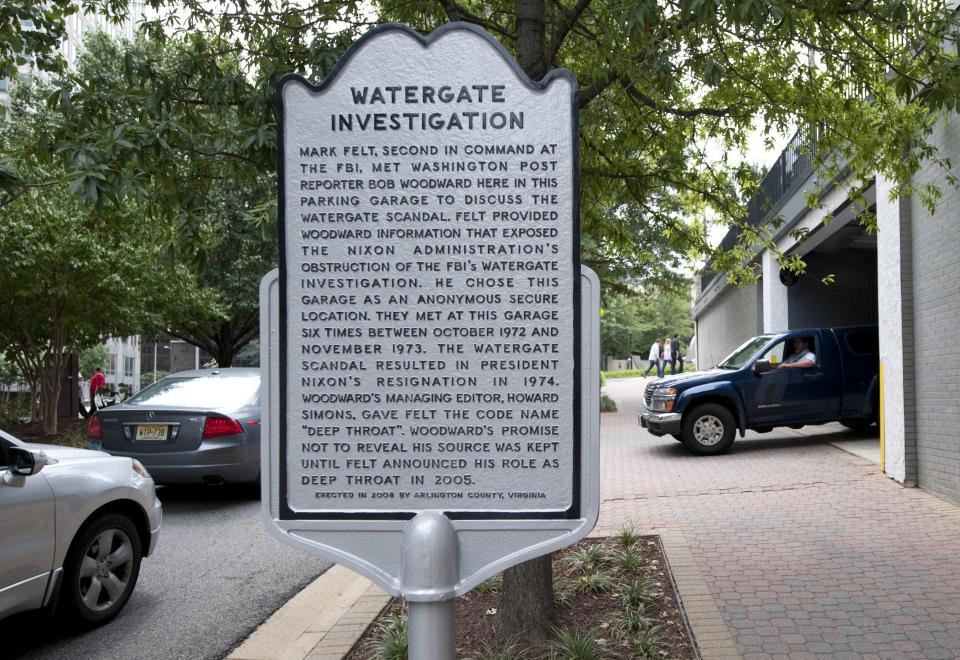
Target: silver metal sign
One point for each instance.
(429, 345)
(485, 547)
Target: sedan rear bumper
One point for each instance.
(213, 462)
(661, 423)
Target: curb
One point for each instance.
(323, 621)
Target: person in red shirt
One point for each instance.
(97, 380)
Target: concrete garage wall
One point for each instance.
(850, 300)
(936, 296)
(895, 312)
(733, 317)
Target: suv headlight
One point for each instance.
(663, 399)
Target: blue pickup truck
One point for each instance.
(751, 389)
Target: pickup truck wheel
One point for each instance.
(708, 429)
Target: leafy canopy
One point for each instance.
(669, 92)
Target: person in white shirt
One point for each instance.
(653, 357)
(667, 358)
(802, 358)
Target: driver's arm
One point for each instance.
(799, 364)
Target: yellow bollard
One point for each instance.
(883, 453)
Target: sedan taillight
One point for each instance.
(216, 427)
(94, 430)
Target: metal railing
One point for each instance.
(793, 166)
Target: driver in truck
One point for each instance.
(802, 357)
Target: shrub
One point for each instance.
(596, 583)
(490, 586)
(587, 559)
(506, 652)
(628, 536)
(607, 404)
(637, 593)
(391, 639)
(628, 560)
(569, 645)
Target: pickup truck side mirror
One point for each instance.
(762, 367)
(25, 462)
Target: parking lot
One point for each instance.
(805, 548)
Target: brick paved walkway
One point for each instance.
(807, 551)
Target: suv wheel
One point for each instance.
(101, 569)
(708, 429)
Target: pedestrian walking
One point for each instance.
(653, 358)
(667, 356)
(678, 351)
(97, 381)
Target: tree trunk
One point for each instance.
(531, 43)
(50, 397)
(225, 355)
(526, 603)
(34, 403)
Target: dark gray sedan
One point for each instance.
(192, 427)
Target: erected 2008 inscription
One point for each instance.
(429, 273)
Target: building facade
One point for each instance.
(905, 278)
(79, 25)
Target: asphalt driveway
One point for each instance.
(807, 550)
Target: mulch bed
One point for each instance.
(72, 433)
(578, 609)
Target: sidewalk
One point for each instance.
(787, 547)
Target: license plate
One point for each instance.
(152, 432)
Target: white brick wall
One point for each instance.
(936, 297)
(734, 317)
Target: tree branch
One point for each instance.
(570, 18)
(690, 113)
(596, 89)
(457, 13)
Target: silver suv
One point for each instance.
(74, 525)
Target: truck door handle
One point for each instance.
(816, 375)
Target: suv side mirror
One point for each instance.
(762, 367)
(25, 462)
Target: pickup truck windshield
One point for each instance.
(739, 357)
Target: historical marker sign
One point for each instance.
(430, 343)
(429, 285)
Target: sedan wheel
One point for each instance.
(102, 568)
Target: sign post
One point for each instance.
(429, 344)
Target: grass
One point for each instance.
(628, 560)
(632, 623)
(595, 583)
(509, 651)
(633, 373)
(390, 642)
(626, 373)
(607, 404)
(638, 593)
(570, 645)
(587, 559)
(647, 642)
(492, 585)
(628, 537)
